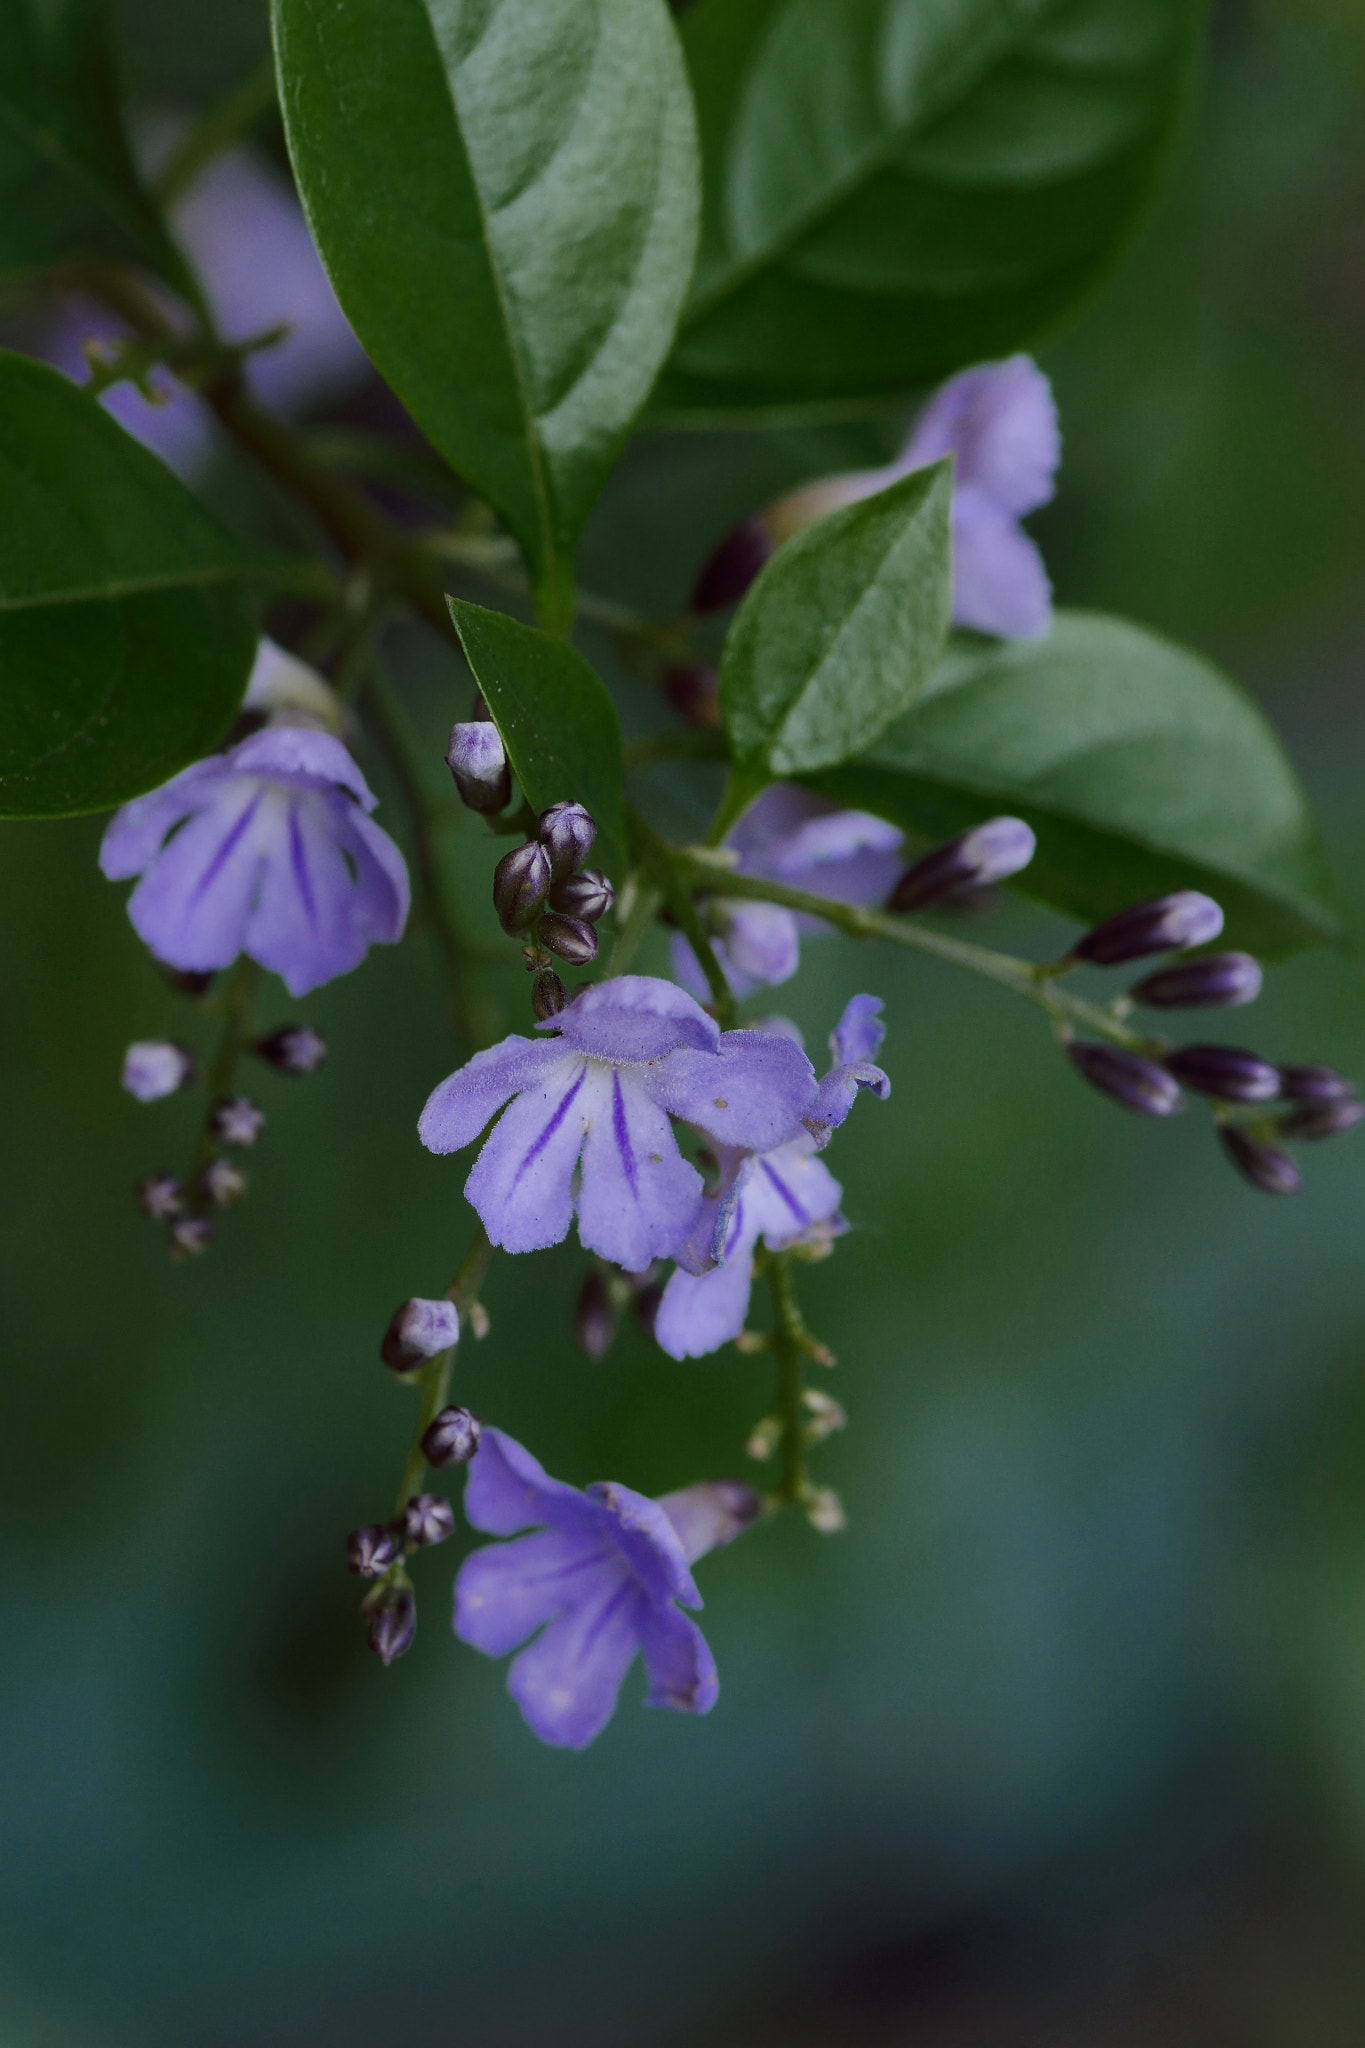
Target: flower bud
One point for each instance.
(825, 1511)
(1315, 1120)
(694, 691)
(548, 995)
(293, 1049)
(646, 1304)
(1225, 1071)
(521, 883)
(571, 938)
(370, 1551)
(1165, 925)
(1214, 981)
(160, 1196)
(236, 1120)
(190, 1236)
(154, 1067)
(1265, 1166)
(393, 1625)
(589, 895)
(987, 853)
(710, 1514)
(420, 1330)
(731, 566)
(427, 1519)
(1315, 1084)
(594, 1317)
(477, 759)
(826, 1415)
(763, 1439)
(452, 1438)
(188, 981)
(567, 833)
(1138, 1084)
(223, 1183)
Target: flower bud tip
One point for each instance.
(419, 1330)
(294, 1049)
(477, 760)
(427, 1519)
(1165, 925)
(154, 1067)
(393, 1626)
(452, 1438)
(567, 832)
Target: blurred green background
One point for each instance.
(1064, 1740)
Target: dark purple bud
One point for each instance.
(521, 883)
(293, 1049)
(548, 995)
(1265, 1166)
(478, 761)
(370, 1551)
(191, 1236)
(160, 1196)
(236, 1120)
(1315, 1084)
(731, 567)
(1214, 981)
(1137, 1083)
(572, 938)
(154, 1067)
(1226, 1071)
(567, 833)
(646, 1306)
(223, 1183)
(452, 1438)
(594, 1317)
(974, 860)
(188, 981)
(589, 895)
(393, 1625)
(694, 691)
(1314, 1120)
(420, 1330)
(1165, 925)
(427, 1519)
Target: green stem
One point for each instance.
(237, 111)
(658, 855)
(433, 1381)
(788, 1333)
(237, 1004)
(632, 930)
(678, 743)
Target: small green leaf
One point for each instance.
(897, 187)
(840, 633)
(126, 638)
(558, 724)
(68, 187)
(506, 199)
(1139, 766)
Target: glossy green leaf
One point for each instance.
(68, 188)
(840, 633)
(126, 638)
(506, 199)
(897, 187)
(558, 724)
(1139, 766)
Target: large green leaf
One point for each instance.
(840, 633)
(558, 724)
(68, 188)
(506, 199)
(897, 187)
(126, 637)
(1140, 768)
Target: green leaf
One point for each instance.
(1139, 766)
(897, 187)
(68, 188)
(506, 198)
(558, 724)
(839, 634)
(126, 638)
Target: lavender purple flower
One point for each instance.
(268, 850)
(153, 1067)
(601, 1577)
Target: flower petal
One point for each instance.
(302, 924)
(699, 1313)
(836, 1096)
(634, 1017)
(508, 1490)
(639, 1197)
(522, 1182)
(302, 758)
(682, 1671)
(566, 1683)
(859, 1033)
(710, 1514)
(382, 892)
(761, 943)
(192, 905)
(134, 835)
(787, 1191)
(459, 1107)
(753, 1091)
(505, 1591)
(999, 582)
(644, 1536)
(1000, 421)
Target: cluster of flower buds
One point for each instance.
(153, 1069)
(544, 895)
(975, 859)
(1311, 1102)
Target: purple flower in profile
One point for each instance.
(620, 1060)
(266, 850)
(785, 1196)
(789, 835)
(601, 1578)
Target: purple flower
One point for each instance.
(153, 1067)
(267, 850)
(624, 1057)
(785, 1196)
(788, 835)
(600, 1577)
